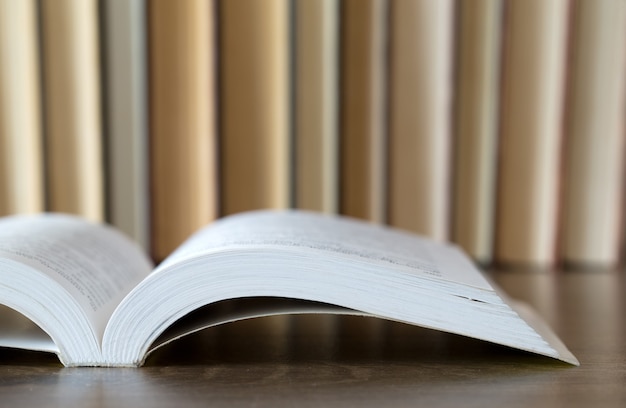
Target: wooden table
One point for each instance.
(350, 361)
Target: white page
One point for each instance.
(353, 238)
(95, 264)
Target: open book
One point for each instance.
(95, 299)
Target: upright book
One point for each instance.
(476, 126)
(183, 136)
(362, 118)
(95, 294)
(72, 107)
(420, 113)
(21, 175)
(316, 133)
(592, 211)
(255, 104)
(531, 116)
(126, 130)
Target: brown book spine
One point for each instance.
(363, 100)
(182, 120)
(255, 105)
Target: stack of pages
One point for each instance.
(96, 300)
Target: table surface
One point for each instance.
(356, 361)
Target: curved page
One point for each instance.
(337, 261)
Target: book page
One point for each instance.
(343, 236)
(95, 264)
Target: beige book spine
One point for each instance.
(182, 120)
(476, 126)
(316, 104)
(21, 176)
(420, 115)
(73, 108)
(531, 131)
(594, 148)
(255, 114)
(363, 115)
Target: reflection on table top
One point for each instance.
(319, 360)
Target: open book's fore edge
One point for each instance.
(559, 351)
(60, 322)
(540, 326)
(536, 323)
(543, 345)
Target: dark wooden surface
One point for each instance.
(322, 360)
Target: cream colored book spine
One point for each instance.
(363, 109)
(21, 176)
(594, 148)
(316, 104)
(255, 104)
(420, 118)
(531, 131)
(182, 120)
(73, 127)
(476, 126)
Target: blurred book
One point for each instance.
(255, 104)
(420, 115)
(594, 148)
(533, 82)
(316, 104)
(183, 141)
(126, 128)
(476, 126)
(363, 75)
(21, 165)
(72, 106)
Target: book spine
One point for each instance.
(476, 126)
(532, 104)
(72, 106)
(363, 76)
(594, 148)
(182, 116)
(255, 104)
(126, 130)
(420, 97)
(316, 104)
(21, 175)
